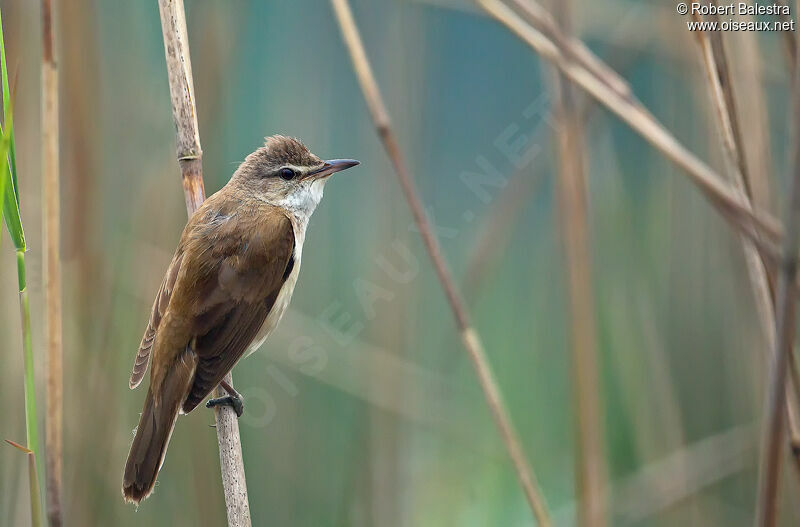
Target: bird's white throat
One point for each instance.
(302, 201)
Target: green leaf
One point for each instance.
(4, 176)
(10, 201)
(10, 204)
(12, 158)
(8, 170)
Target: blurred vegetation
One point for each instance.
(367, 412)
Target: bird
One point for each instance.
(229, 283)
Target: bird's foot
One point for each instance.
(234, 401)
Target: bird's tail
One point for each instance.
(155, 428)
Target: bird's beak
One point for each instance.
(331, 166)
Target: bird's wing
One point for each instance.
(248, 280)
(159, 308)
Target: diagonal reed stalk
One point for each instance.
(13, 221)
(582, 67)
(664, 483)
(469, 336)
(181, 88)
(762, 281)
(571, 189)
(52, 270)
(774, 411)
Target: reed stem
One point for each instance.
(13, 220)
(578, 63)
(31, 416)
(762, 280)
(772, 444)
(469, 336)
(189, 153)
(589, 434)
(51, 188)
(31, 426)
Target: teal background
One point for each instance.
(363, 408)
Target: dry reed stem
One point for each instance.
(591, 470)
(756, 188)
(721, 86)
(748, 79)
(80, 171)
(468, 334)
(181, 87)
(544, 21)
(52, 271)
(721, 92)
(575, 59)
(773, 421)
(682, 474)
(774, 408)
(571, 58)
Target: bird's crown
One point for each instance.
(281, 150)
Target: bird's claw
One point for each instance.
(229, 400)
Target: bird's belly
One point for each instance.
(278, 309)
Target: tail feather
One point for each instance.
(155, 428)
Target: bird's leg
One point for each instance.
(233, 399)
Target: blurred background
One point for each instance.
(363, 409)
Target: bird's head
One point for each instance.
(285, 173)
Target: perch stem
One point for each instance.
(181, 88)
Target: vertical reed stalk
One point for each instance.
(181, 87)
(469, 336)
(13, 221)
(750, 82)
(586, 390)
(31, 416)
(52, 269)
(774, 411)
(720, 86)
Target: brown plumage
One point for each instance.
(226, 288)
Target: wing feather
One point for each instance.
(159, 307)
(247, 284)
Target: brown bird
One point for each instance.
(227, 287)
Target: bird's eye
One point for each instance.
(287, 173)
